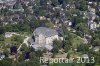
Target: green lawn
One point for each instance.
(76, 40)
(7, 42)
(97, 65)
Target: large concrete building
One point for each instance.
(43, 38)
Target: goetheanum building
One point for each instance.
(43, 38)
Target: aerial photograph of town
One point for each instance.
(49, 32)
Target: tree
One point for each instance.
(1, 38)
(82, 27)
(96, 42)
(16, 6)
(56, 46)
(69, 1)
(81, 5)
(6, 62)
(2, 30)
(24, 48)
(6, 52)
(43, 2)
(39, 53)
(98, 13)
(64, 5)
(80, 33)
(54, 2)
(13, 50)
(83, 48)
(34, 24)
(20, 58)
(34, 59)
(67, 46)
(61, 1)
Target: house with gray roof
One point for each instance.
(92, 25)
(43, 38)
(5, 3)
(90, 14)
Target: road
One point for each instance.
(24, 42)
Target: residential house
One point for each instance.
(90, 3)
(98, 8)
(87, 39)
(92, 25)
(7, 3)
(42, 17)
(90, 14)
(91, 9)
(26, 2)
(19, 8)
(65, 21)
(30, 9)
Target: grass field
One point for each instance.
(76, 40)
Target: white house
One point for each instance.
(43, 38)
(92, 25)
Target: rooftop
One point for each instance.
(47, 32)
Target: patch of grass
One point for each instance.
(25, 33)
(7, 40)
(50, 25)
(76, 40)
(7, 43)
(97, 65)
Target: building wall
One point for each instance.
(41, 39)
(50, 40)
